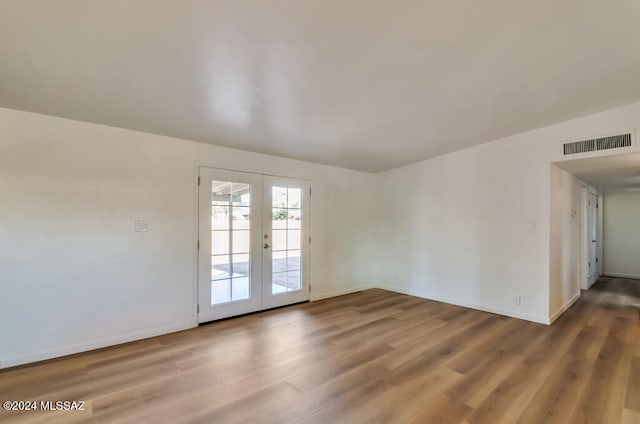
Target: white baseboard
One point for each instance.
(563, 308)
(499, 311)
(336, 293)
(616, 275)
(94, 344)
(139, 335)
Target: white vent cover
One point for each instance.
(596, 144)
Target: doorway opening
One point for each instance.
(253, 243)
(590, 261)
(595, 232)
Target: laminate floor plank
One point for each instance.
(369, 357)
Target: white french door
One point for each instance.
(230, 255)
(253, 243)
(285, 263)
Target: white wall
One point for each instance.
(565, 241)
(470, 228)
(622, 234)
(74, 275)
(473, 227)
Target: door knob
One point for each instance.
(594, 241)
(266, 245)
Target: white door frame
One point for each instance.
(587, 277)
(199, 265)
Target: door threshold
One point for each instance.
(251, 313)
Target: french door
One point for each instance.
(253, 243)
(285, 263)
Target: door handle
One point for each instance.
(266, 246)
(594, 241)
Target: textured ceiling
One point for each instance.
(363, 84)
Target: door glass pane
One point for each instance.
(279, 240)
(241, 241)
(241, 218)
(220, 242)
(230, 242)
(240, 288)
(294, 198)
(286, 239)
(293, 280)
(279, 197)
(240, 266)
(293, 219)
(279, 282)
(221, 193)
(220, 267)
(280, 217)
(220, 291)
(293, 260)
(241, 194)
(293, 239)
(279, 262)
(220, 218)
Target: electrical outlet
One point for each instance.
(518, 300)
(141, 226)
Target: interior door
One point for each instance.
(230, 250)
(592, 225)
(286, 241)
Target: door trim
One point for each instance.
(585, 242)
(196, 223)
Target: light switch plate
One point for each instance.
(141, 226)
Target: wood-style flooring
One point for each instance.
(368, 357)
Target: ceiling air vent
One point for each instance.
(596, 144)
